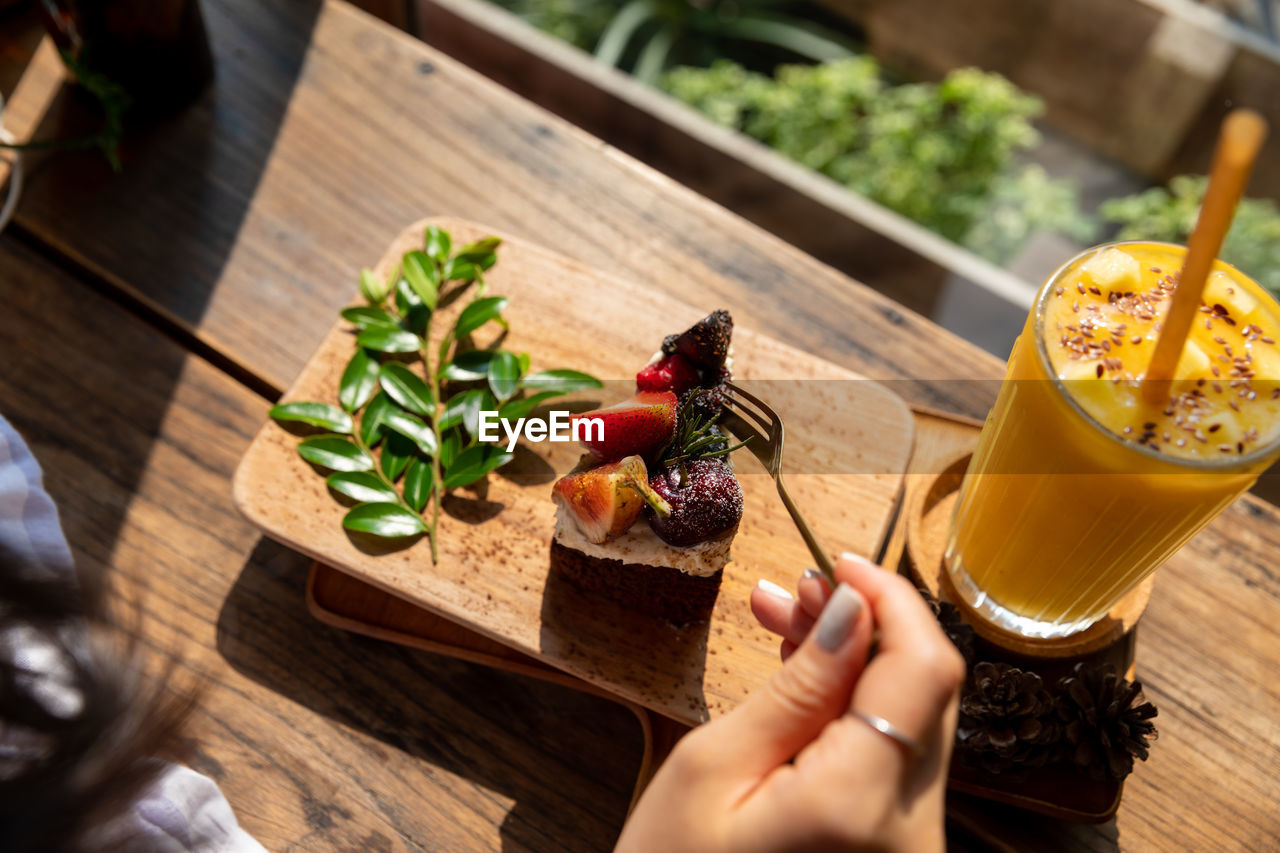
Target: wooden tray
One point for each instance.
(492, 577)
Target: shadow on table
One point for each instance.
(167, 224)
(566, 759)
(969, 822)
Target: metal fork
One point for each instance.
(755, 415)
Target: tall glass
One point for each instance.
(1078, 489)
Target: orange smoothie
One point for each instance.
(1079, 488)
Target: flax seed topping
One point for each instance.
(1106, 306)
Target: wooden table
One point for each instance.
(150, 317)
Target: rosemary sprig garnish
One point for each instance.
(695, 435)
(429, 440)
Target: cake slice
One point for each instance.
(675, 472)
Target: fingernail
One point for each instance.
(812, 573)
(838, 618)
(855, 558)
(773, 589)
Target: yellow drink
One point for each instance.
(1078, 488)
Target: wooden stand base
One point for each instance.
(1053, 790)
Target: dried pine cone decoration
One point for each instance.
(1006, 719)
(1105, 722)
(953, 625)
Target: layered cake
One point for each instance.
(660, 455)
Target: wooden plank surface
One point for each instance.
(321, 740)
(848, 441)
(249, 215)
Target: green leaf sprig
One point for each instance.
(696, 435)
(406, 429)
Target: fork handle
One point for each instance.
(819, 555)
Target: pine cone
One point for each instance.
(1006, 719)
(1105, 721)
(953, 625)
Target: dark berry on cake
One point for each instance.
(705, 501)
(706, 343)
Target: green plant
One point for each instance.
(418, 398)
(647, 36)
(1252, 244)
(114, 102)
(941, 153)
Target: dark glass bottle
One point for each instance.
(156, 50)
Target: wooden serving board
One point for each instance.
(493, 575)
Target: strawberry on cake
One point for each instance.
(661, 455)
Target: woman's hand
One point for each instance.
(792, 768)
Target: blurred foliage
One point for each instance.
(579, 22)
(1252, 244)
(942, 154)
(645, 37)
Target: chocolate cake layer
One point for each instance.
(658, 590)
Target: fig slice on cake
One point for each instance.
(606, 500)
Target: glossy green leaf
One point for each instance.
(359, 380)
(458, 269)
(437, 243)
(371, 418)
(473, 463)
(452, 414)
(415, 319)
(389, 340)
(336, 454)
(372, 289)
(316, 414)
(397, 451)
(420, 271)
(412, 428)
(478, 313)
(361, 486)
(389, 520)
(560, 380)
(408, 389)
(450, 447)
(405, 297)
(417, 483)
(517, 409)
(468, 366)
(525, 361)
(504, 374)
(471, 410)
(484, 246)
(369, 317)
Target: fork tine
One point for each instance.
(777, 437)
(746, 411)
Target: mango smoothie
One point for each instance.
(1079, 488)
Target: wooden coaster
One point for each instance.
(928, 508)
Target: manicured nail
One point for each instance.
(812, 573)
(774, 590)
(855, 558)
(838, 618)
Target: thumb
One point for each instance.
(813, 688)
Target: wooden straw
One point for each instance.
(1243, 132)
